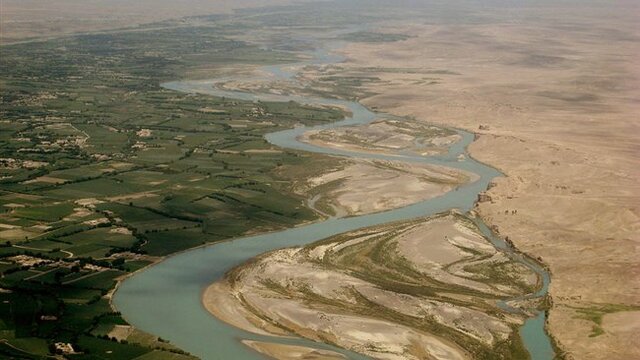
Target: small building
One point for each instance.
(64, 348)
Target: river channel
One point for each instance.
(165, 299)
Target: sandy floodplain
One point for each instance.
(292, 352)
(363, 186)
(426, 288)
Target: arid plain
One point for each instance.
(553, 96)
(26, 20)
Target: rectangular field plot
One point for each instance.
(90, 171)
(201, 163)
(96, 188)
(167, 242)
(158, 151)
(46, 244)
(106, 236)
(97, 242)
(163, 178)
(21, 199)
(102, 139)
(145, 220)
(46, 213)
(110, 349)
(78, 295)
(100, 280)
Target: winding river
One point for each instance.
(165, 299)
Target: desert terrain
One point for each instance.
(553, 96)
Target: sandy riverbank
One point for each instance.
(364, 186)
(291, 352)
(344, 290)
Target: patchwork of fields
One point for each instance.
(103, 172)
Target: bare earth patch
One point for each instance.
(361, 186)
(291, 352)
(411, 290)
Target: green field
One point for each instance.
(104, 172)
